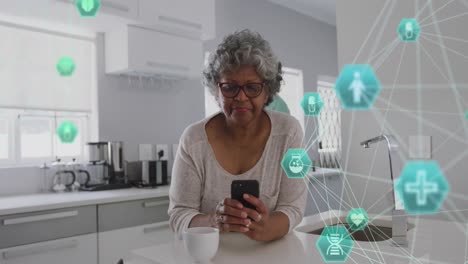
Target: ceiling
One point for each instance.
(323, 10)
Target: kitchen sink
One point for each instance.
(379, 228)
(371, 233)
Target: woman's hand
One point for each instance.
(259, 228)
(231, 217)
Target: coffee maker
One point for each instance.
(109, 159)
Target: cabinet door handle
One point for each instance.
(38, 249)
(112, 5)
(155, 227)
(37, 218)
(180, 22)
(154, 204)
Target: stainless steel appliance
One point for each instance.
(154, 172)
(109, 157)
(97, 151)
(98, 154)
(116, 162)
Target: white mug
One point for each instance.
(201, 243)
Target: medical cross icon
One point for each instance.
(422, 188)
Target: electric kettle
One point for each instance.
(79, 172)
(61, 174)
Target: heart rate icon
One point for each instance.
(357, 219)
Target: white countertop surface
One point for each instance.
(430, 241)
(47, 201)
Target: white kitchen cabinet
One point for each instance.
(71, 250)
(136, 50)
(192, 16)
(119, 244)
(146, 224)
(123, 8)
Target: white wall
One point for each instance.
(440, 115)
(146, 111)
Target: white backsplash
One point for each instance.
(28, 180)
(22, 180)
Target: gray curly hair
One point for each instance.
(243, 48)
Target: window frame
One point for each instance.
(13, 117)
(10, 119)
(18, 146)
(83, 134)
(326, 83)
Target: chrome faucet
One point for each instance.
(399, 220)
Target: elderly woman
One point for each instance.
(242, 142)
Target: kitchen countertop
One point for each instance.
(47, 201)
(430, 241)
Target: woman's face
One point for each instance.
(241, 109)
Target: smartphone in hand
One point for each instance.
(239, 187)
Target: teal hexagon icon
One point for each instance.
(296, 163)
(422, 187)
(409, 30)
(312, 104)
(357, 86)
(88, 8)
(67, 132)
(335, 244)
(357, 219)
(65, 66)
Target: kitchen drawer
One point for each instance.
(134, 213)
(70, 250)
(20, 229)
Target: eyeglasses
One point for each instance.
(231, 90)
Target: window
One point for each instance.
(35, 98)
(37, 140)
(4, 139)
(329, 124)
(74, 149)
(6, 136)
(35, 137)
